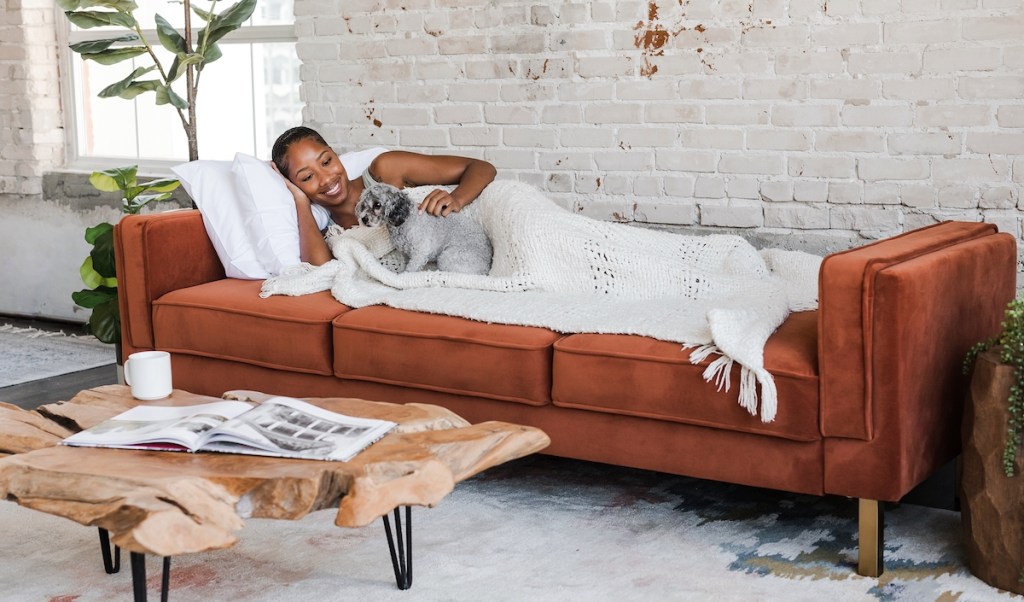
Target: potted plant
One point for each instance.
(991, 488)
(191, 54)
(98, 271)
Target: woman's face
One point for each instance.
(317, 171)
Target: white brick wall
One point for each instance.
(31, 130)
(846, 118)
(864, 116)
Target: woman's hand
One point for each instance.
(297, 194)
(312, 247)
(440, 203)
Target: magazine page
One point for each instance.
(286, 427)
(149, 426)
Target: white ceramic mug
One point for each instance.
(148, 373)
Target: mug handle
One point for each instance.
(127, 378)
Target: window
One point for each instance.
(245, 99)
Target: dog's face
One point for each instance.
(382, 204)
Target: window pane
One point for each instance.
(267, 12)
(245, 99)
(274, 12)
(276, 93)
(107, 125)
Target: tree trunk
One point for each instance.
(992, 503)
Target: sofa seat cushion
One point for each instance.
(639, 376)
(227, 319)
(444, 353)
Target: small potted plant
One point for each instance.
(98, 271)
(991, 488)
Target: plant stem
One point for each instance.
(191, 83)
(163, 75)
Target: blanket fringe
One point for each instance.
(718, 372)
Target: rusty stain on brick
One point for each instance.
(651, 37)
(371, 118)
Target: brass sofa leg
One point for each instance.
(871, 532)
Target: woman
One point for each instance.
(314, 174)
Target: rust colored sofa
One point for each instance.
(870, 384)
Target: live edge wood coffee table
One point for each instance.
(166, 503)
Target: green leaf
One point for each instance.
(118, 88)
(212, 53)
(91, 298)
(113, 56)
(102, 255)
(93, 18)
(169, 37)
(136, 88)
(93, 46)
(125, 6)
(91, 234)
(142, 200)
(161, 185)
(90, 277)
(180, 61)
(226, 22)
(205, 15)
(165, 95)
(114, 179)
(105, 322)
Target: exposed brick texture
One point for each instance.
(864, 116)
(858, 118)
(31, 128)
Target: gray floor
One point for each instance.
(59, 388)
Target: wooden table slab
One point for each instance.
(168, 503)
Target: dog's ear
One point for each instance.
(397, 210)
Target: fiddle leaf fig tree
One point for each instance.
(191, 53)
(98, 270)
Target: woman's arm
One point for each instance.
(404, 169)
(312, 246)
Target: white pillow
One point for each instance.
(267, 213)
(249, 213)
(212, 185)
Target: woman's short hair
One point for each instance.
(288, 138)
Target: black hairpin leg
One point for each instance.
(139, 577)
(110, 565)
(402, 560)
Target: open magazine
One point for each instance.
(280, 426)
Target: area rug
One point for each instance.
(28, 354)
(538, 529)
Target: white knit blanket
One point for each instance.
(569, 273)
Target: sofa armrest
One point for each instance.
(896, 319)
(155, 254)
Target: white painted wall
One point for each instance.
(42, 247)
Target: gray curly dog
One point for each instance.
(456, 242)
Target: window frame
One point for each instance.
(247, 34)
